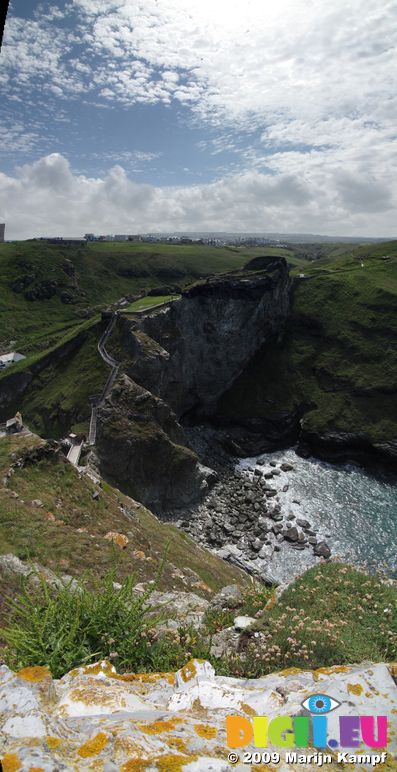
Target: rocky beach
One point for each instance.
(277, 514)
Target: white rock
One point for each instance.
(25, 726)
(241, 623)
(125, 714)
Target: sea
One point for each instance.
(352, 510)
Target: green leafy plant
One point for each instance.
(79, 623)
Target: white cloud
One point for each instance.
(316, 78)
(46, 197)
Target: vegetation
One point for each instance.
(74, 626)
(331, 615)
(61, 383)
(148, 301)
(337, 362)
(50, 299)
(67, 529)
(46, 290)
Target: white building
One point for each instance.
(9, 359)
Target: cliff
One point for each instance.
(331, 382)
(143, 449)
(190, 352)
(177, 361)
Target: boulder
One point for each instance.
(229, 597)
(181, 608)
(322, 550)
(93, 718)
(291, 534)
(302, 523)
(225, 643)
(241, 623)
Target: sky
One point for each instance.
(129, 116)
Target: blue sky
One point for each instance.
(193, 115)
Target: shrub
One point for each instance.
(331, 615)
(79, 623)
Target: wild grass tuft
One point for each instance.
(78, 623)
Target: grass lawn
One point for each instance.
(147, 302)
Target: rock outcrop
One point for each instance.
(191, 351)
(95, 718)
(142, 448)
(178, 360)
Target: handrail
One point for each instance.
(114, 364)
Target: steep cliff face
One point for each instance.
(52, 391)
(142, 448)
(178, 360)
(331, 383)
(190, 352)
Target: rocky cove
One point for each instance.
(160, 438)
(276, 514)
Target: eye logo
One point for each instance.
(320, 704)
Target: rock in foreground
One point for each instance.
(95, 718)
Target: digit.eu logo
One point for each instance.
(308, 730)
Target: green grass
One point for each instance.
(68, 531)
(55, 399)
(332, 614)
(103, 273)
(337, 361)
(148, 301)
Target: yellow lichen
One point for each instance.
(199, 709)
(356, 689)
(11, 763)
(53, 742)
(290, 671)
(171, 763)
(34, 674)
(145, 678)
(157, 727)
(139, 555)
(134, 764)
(189, 670)
(98, 667)
(177, 743)
(36, 769)
(107, 669)
(248, 710)
(117, 538)
(94, 746)
(97, 692)
(329, 671)
(206, 731)
(272, 601)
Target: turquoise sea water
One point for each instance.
(353, 511)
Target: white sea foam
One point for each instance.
(353, 511)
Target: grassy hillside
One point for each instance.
(45, 290)
(67, 532)
(338, 360)
(50, 299)
(52, 389)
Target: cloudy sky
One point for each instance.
(147, 115)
